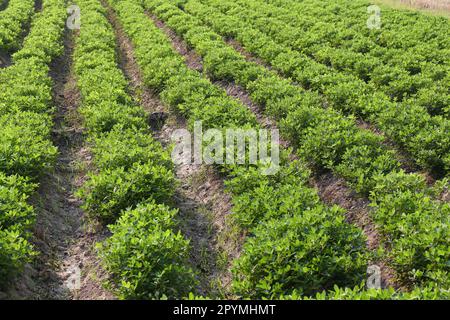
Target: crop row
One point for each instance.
(284, 217)
(133, 182)
(402, 76)
(12, 21)
(26, 150)
(415, 227)
(424, 137)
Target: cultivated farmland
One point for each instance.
(99, 199)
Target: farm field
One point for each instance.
(224, 149)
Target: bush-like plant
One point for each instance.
(146, 258)
(111, 191)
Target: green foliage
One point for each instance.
(306, 251)
(197, 99)
(15, 251)
(416, 227)
(12, 21)
(147, 259)
(265, 202)
(318, 59)
(25, 87)
(25, 147)
(124, 147)
(326, 137)
(360, 293)
(15, 212)
(103, 117)
(16, 217)
(106, 194)
(26, 150)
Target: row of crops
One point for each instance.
(326, 72)
(26, 150)
(397, 74)
(133, 180)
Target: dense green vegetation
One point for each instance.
(178, 87)
(13, 21)
(26, 150)
(417, 252)
(351, 102)
(408, 124)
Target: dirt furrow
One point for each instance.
(5, 59)
(204, 206)
(4, 4)
(66, 267)
(38, 5)
(332, 190)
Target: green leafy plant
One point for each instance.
(147, 259)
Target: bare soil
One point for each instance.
(4, 4)
(5, 59)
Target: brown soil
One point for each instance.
(38, 5)
(64, 240)
(204, 206)
(193, 60)
(5, 59)
(331, 189)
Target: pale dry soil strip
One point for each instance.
(204, 206)
(62, 236)
(332, 190)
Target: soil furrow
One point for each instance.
(4, 4)
(66, 267)
(204, 206)
(5, 59)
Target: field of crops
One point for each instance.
(94, 205)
